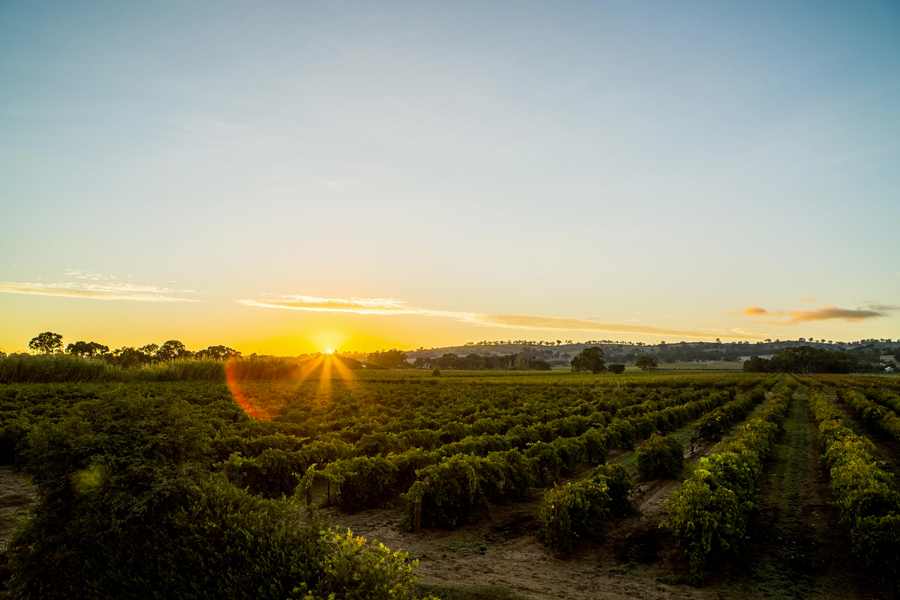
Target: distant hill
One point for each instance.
(561, 354)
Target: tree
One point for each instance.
(173, 349)
(218, 353)
(389, 359)
(89, 349)
(149, 350)
(46, 343)
(589, 359)
(646, 363)
(617, 369)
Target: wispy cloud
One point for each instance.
(364, 306)
(825, 313)
(808, 299)
(97, 291)
(390, 306)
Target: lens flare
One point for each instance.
(240, 398)
(279, 374)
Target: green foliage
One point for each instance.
(365, 482)
(577, 511)
(131, 365)
(22, 368)
(130, 510)
(660, 456)
(883, 417)
(646, 363)
(713, 425)
(271, 474)
(589, 359)
(864, 492)
(803, 359)
(452, 494)
(708, 515)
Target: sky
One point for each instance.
(289, 177)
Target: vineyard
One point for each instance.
(532, 485)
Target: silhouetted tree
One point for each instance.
(389, 359)
(218, 353)
(46, 343)
(173, 349)
(90, 349)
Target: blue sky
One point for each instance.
(664, 165)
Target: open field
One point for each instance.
(479, 453)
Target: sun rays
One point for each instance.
(264, 398)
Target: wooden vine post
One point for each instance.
(416, 493)
(417, 516)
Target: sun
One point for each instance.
(329, 351)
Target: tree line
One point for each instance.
(806, 359)
(49, 343)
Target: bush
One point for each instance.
(366, 483)
(660, 456)
(577, 511)
(451, 492)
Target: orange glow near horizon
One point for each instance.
(324, 363)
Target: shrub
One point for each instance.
(577, 511)
(451, 493)
(660, 456)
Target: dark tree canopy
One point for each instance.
(171, 350)
(478, 362)
(218, 353)
(89, 349)
(646, 363)
(389, 359)
(803, 359)
(589, 359)
(46, 343)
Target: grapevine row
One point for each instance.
(864, 491)
(709, 513)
